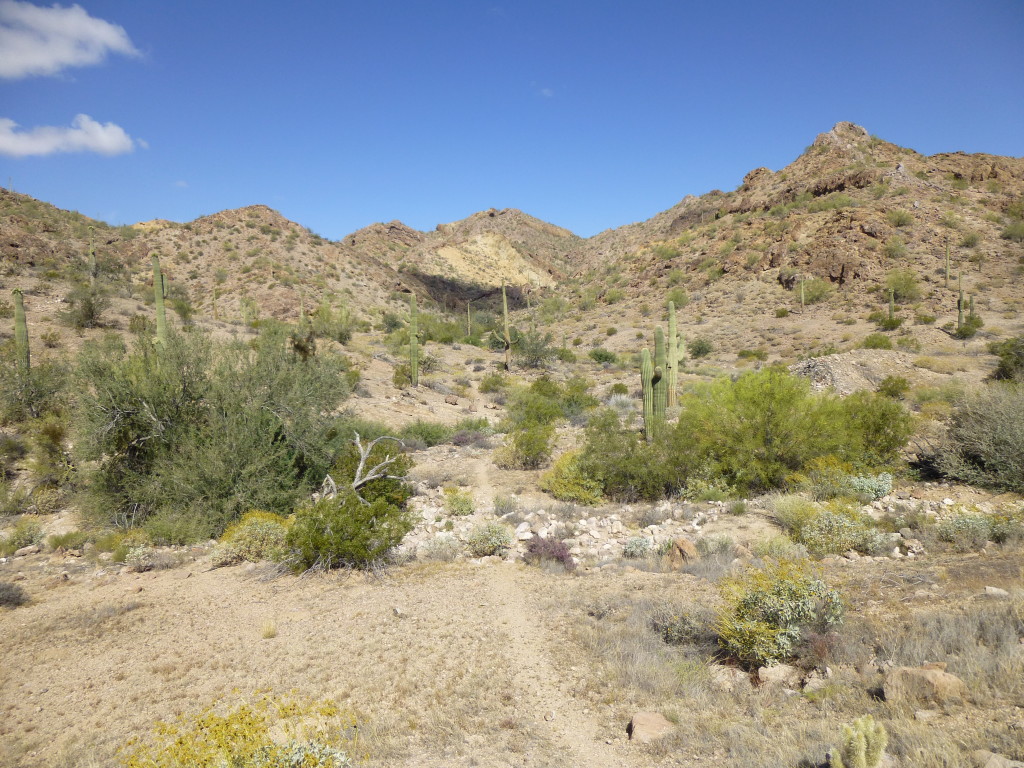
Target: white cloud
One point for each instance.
(547, 93)
(181, 184)
(84, 135)
(36, 40)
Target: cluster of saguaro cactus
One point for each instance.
(414, 342)
(864, 743)
(158, 295)
(21, 332)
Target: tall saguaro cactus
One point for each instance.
(960, 303)
(21, 332)
(508, 337)
(672, 364)
(414, 342)
(947, 261)
(661, 384)
(158, 295)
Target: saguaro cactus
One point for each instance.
(93, 271)
(947, 262)
(158, 295)
(414, 342)
(960, 303)
(508, 337)
(661, 385)
(672, 363)
(21, 332)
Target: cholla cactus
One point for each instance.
(864, 744)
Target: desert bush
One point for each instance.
(346, 531)
(636, 548)
(428, 433)
(493, 382)
(700, 347)
(184, 437)
(780, 547)
(67, 540)
(769, 610)
(567, 481)
(26, 531)
(970, 327)
(505, 505)
(533, 349)
(12, 595)
(895, 248)
(251, 735)
(622, 463)
(966, 532)
(458, 502)
(24, 396)
(903, 284)
(876, 341)
(985, 441)
(256, 536)
(86, 305)
(898, 217)
(893, 386)
(1011, 358)
(816, 290)
(754, 432)
(529, 447)
(540, 550)
(1014, 231)
(602, 355)
(443, 548)
(836, 529)
(489, 539)
(871, 487)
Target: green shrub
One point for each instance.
(903, 283)
(622, 463)
(895, 248)
(1014, 232)
(67, 540)
(970, 240)
(876, 341)
(345, 531)
(636, 548)
(429, 433)
(768, 612)
(458, 502)
(618, 388)
(493, 382)
(250, 735)
(782, 312)
(971, 325)
(837, 529)
(700, 347)
(186, 436)
(965, 532)
(894, 387)
(529, 447)
(489, 539)
(602, 355)
(899, 218)
(86, 305)
(566, 481)
(1011, 358)
(533, 349)
(25, 532)
(752, 433)
(12, 595)
(780, 547)
(256, 536)
(985, 441)
(816, 290)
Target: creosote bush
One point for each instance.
(567, 481)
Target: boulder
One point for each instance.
(930, 683)
(984, 759)
(783, 675)
(646, 727)
(681, 552)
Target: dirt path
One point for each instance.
(537, 679)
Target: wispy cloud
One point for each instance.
(547, 93)
(83, 135)
(36, 40)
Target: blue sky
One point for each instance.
(586, 114)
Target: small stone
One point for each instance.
(784, 675)
(549, 715)
(996, 592)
